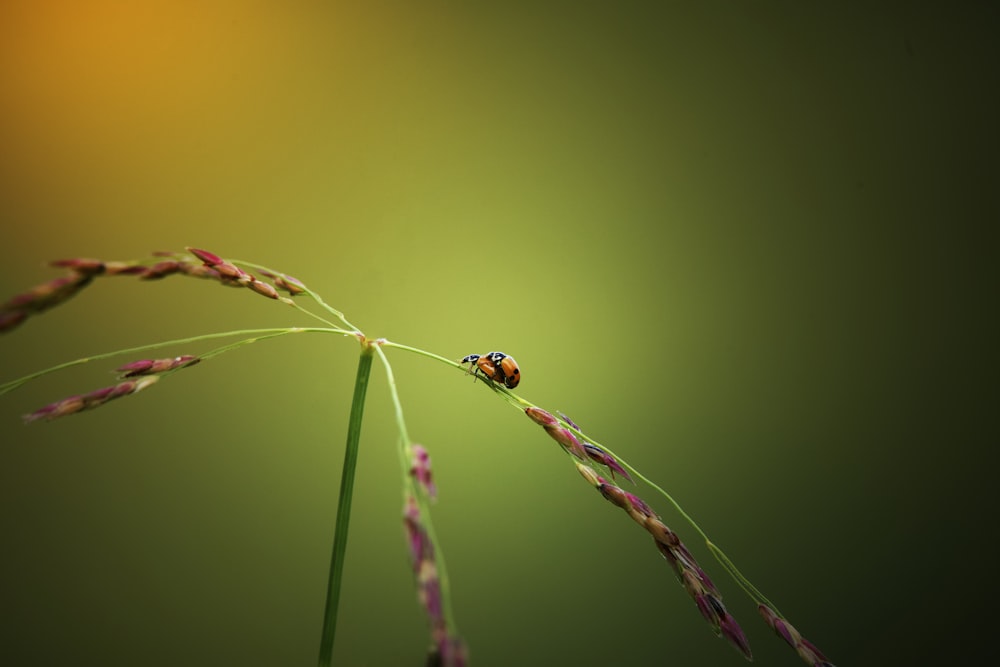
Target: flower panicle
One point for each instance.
(447, 649)
(94, 399)
(85, 265)
(82, 270)
(155, 366)
(135, 376)
(42, 297)
(692, 577)
(699, 586)
(806, 649)
(572, 444)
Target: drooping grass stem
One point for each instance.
(406, 454)
(344, 504)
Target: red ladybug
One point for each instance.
(496, 366)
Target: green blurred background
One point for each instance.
(741, 244)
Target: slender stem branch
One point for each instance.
(344, 505)
(260, 334)
(406, 455)
(425, 353)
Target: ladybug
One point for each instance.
(496, 366)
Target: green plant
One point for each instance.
(430, 574)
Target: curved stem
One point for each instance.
(344, 505)
(260, 334)
(406, 454)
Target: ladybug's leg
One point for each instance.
(485, 366)
(474, 367)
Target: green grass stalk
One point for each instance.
(344, 504)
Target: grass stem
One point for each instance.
(344, 505)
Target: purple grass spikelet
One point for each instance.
(262, 288)
(96, 398)
(568, 441)
(48, 294)
(40, 298)
(569, 421)
(598, 455)
(291, 285)
(561, 435)
(226, 270)
(420, 469)
(806, 649)
(706, 597)
(161, 270)
(154, 366)
(288, 284)
(227, 273)
(420, 545)
(572, 444)
(541, 417)
(210, 259)
(123, 269)
(448, 650)
(200, 271)
(85, 265)
(12, 319)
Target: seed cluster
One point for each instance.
(448, 649)
(572, 444)
(148, 371)
(82, 271)
(49, 294)
(420, 470)
(73, 404)
(806, 649)
(694, 579)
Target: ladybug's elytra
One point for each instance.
(496, 366)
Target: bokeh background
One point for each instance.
(745, 245)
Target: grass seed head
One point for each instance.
(96, 398)
(420, 469)
(84, 265)
(154, 366)
(48, 294)
(420, 545)
(199, 271)
(733, 633)
(263, 288)
(613, 494)
(589, 474)
(160, 270)
(694, 580)
(123, 269)
(569, 441)
(598, 455)
(12, 319)
(232, 272)
(805, 648)
(541, 417)
(210, 259)
(291, 285)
